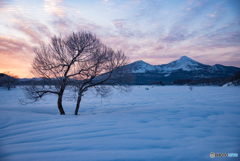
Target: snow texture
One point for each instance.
(163, 123)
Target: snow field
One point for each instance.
(162, 123)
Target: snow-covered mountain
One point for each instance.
(182, 68)
(184, 63)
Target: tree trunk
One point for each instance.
(78, 104)
(60, 104)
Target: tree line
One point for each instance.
(210, 81)
(8, 80)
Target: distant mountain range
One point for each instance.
(183, 68)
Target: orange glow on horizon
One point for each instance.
(22, 73)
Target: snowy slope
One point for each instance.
(218, 68)
(162, 123)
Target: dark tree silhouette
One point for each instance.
(76, 56)
(56, 63)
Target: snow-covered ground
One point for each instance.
(162, 123)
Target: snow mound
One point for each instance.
(234, 83)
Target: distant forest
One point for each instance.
(235, 79)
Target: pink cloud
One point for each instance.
(15, 55)
(118, 24)
(35, 30)
(55, 7)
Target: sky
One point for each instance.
(155, 31)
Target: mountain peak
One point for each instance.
(140, 66)
(185, 58)
(140, 61)
(185, 63)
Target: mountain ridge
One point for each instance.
(183, 63)
(183, 68)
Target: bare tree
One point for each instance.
(79, 59)
(104, 69)
(56, 62)
(9, 80)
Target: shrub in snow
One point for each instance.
(191, 88)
